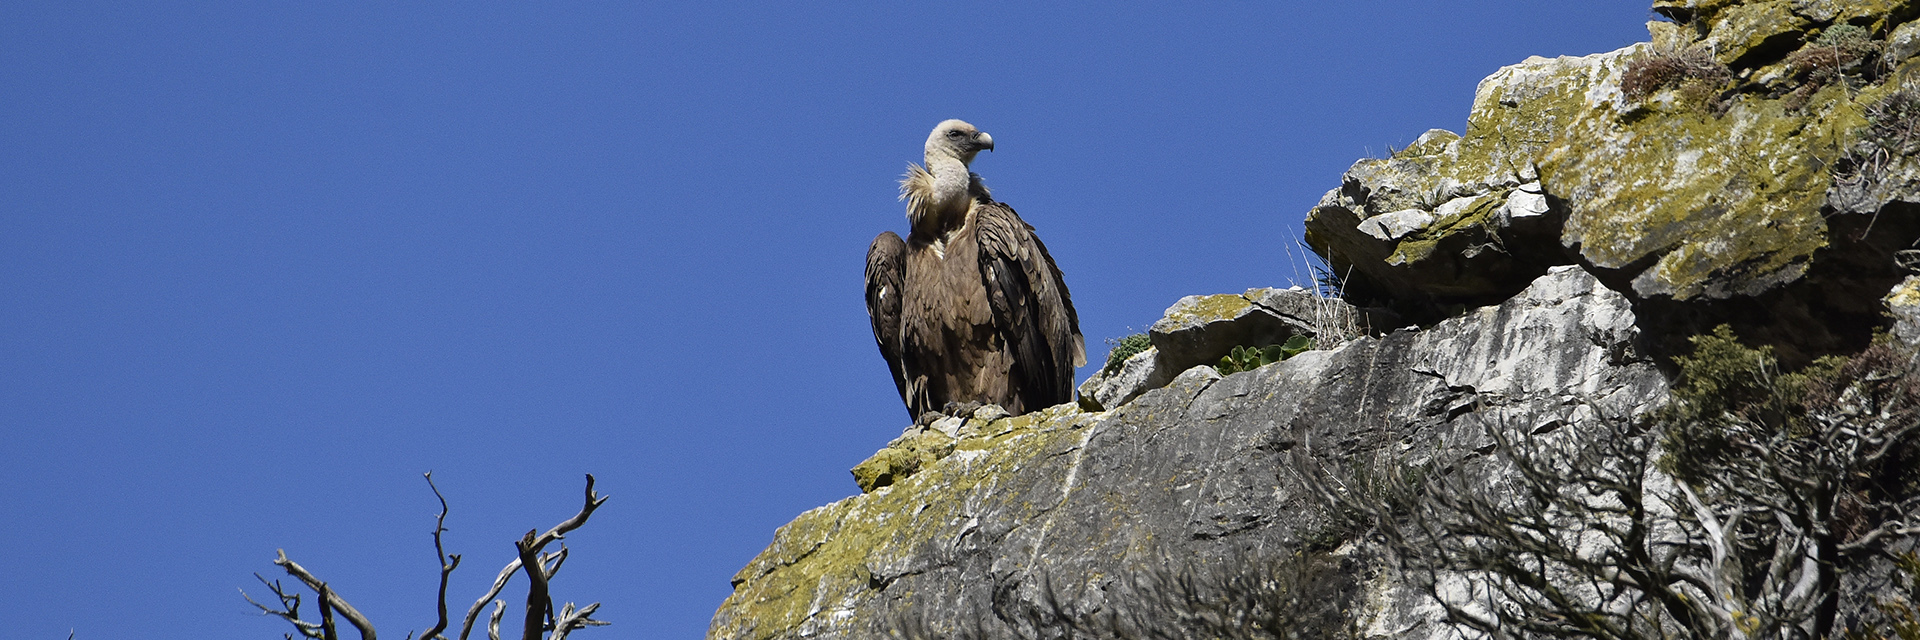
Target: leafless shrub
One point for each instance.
(1297, 596)
(1840, 54)
(1518, 546)
(1649, 73)
(541, 621)
(1893, 122)
(1892, 132)
(1243, 596)
(1730, 516)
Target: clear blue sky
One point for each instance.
(262, 264)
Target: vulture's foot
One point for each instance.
(961, 410)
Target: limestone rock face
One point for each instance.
(1064, 501)
(1738, 197)
(1142, 372)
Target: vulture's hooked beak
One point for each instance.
(985, 141)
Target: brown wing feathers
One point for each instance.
(886, 272)
(1026, 296)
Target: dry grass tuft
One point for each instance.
(1839, 54)
(1649, 74)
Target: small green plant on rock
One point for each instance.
(1245, 358)
(1123, 348)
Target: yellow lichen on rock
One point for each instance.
(822, 565)
(1727, 204)
(1691, 190)
(1213, 307)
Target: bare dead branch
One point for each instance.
(499, 583)
(552, 561)
(289, 608)
(327, 632)
(333, 599)
(539, 566)
(570, 620)
(539, 605)
(447, 562)
(593, 501)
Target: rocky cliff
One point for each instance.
(1751, 166)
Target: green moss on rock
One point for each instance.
(1746, 33)
(1728, 204)
(1689, 194)
(825, 562)
(1207, 308)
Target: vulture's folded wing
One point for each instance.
(1031, 306)
(886, 271)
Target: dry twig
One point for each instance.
(593, 501)
(540, 568)
(448, 562)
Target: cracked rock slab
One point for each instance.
(1199, 330)
(1139, 374)
(1075, 502)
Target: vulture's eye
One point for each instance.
(953, 134)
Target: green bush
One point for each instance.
(1245, 358)
(1123, 348)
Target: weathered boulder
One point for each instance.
(1063, 504)
(1139, 373)
(1740, 195)
(1200, 330)
(1425, 225)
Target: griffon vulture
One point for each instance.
(970, 307)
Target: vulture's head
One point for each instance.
(957, 139)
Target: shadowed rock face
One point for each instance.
(1194, 471)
